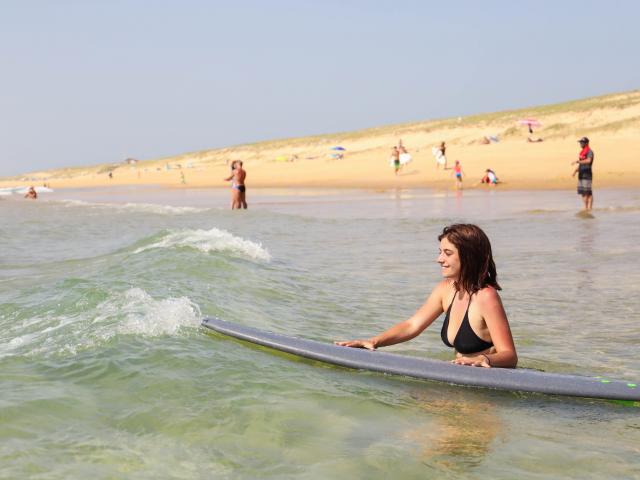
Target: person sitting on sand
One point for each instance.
(31, 194)
(475, 324)
(489, 177)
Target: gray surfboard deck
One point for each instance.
(520, 380)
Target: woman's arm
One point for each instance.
(410, 328)
(495, 317)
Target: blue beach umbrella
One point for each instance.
(342, 149)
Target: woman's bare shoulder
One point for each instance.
(487, 296)
(444, 288)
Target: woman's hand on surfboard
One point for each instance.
(477, 361)
(368, 344)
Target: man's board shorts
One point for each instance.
(396, 164)
(584, 186)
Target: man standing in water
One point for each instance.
(585, 174)
(238, 190)
(242, 174)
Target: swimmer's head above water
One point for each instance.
(477, 268)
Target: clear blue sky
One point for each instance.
(86, 82)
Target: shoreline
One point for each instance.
(611, 122)
(630, 181)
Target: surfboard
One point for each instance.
(440, 158)
(518, 379)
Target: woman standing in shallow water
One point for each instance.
(475, 324)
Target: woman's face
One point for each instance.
(449, 259)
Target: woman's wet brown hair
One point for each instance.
(477, 268)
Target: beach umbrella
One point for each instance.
(341, 149)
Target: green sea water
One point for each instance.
(106, 373)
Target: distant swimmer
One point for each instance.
(585, 174)
(31, 194)
(238, 189)
(475, 324)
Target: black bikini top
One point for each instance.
(466, 340)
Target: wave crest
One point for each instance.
(214, 240)
(147, 316)
(132, 312)
(136, 207)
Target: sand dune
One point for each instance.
(612, 122)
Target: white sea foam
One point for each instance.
(135, 207)
(214, 240)
(22, 190)
(145, 315)
(132, 312)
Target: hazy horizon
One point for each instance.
(90, 83)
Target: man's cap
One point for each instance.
(583, 140)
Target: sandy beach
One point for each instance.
(612, 122)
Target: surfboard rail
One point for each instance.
(521, 380)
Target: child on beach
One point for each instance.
(475, 315)
(457, 171)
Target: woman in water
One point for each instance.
(475, 324)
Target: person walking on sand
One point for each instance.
(395, 158)
(439, 153)
(457, 171)
(475, 324)
(442, 158)
(585, 173)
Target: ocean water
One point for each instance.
(105, 371)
